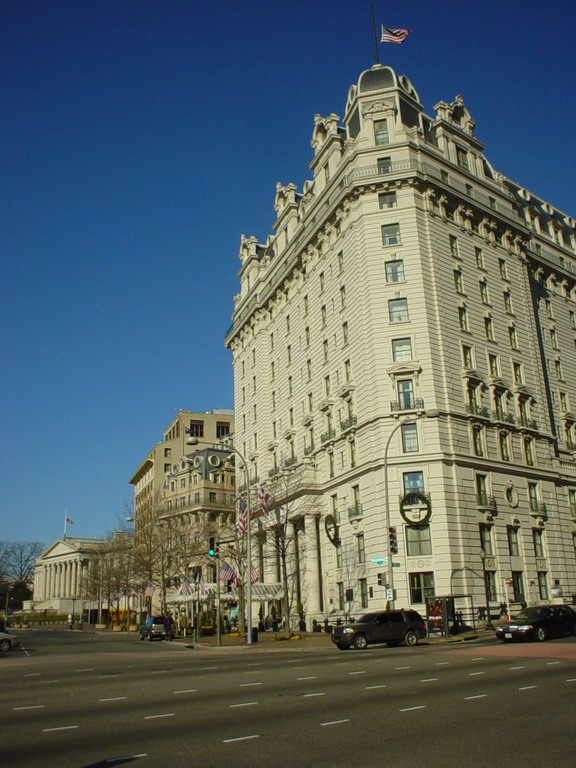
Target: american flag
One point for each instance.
(394, 35)
(200, 583)
(227, 573)
(150, 589)
(253, 574)
(264, 497)
(242, 518)
(185, 586)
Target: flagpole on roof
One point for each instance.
(65, 520)
(374, 33)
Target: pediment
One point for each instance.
(406, 368)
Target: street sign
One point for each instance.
(379, 560)
(389, 594)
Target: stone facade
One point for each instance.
(404, 357)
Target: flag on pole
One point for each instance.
(227, 573)
(185, 586)
(264, 497)
(150, 589)
(394, 35)
(253, 574)
(69, 522)
(241, 521)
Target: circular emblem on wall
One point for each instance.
(415, 508)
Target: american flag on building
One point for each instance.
(150, 589)
(394, 35)
(253, 574)
(242, 518)
(264, 497)
(185, 586)
(227, 573)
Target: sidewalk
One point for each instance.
(277, 641)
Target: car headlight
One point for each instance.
(524, 627)
(347, 630)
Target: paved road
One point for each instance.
(108, 697)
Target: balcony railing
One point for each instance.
(349, 422)
(355, 512)
(529, 423)
(501, 416)
(329, 435)
(407, 404)
(538, 507)
(486, 501)
(273, 471)
(290, 462)
(477, 410)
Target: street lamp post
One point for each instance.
(489, 624)
(247, 579)
(389, 564)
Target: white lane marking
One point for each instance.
(241, 738)
(475, 674)
(88, 669)
(310, 677)
(442, 663)
(571, 680)
(188, 690)
(112, 760)
(517, 667)
(527, 687)
(154, 717)
(255, 664)
(244, 704)
(411, 709)
(335, 722)
(308, 695)
(62, 728)
(478, 658)
(248, 685)
(114, 698)
(208, 667)
(32, 706)
(429, 680)
(158, 671)
(33, 674)
(550, 663)
(401, 667)
(372, 687)
(478, 696)
(43, 682)
(359, 672)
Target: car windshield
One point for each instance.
(368, 618)
(529, 614)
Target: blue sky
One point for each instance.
(139, 139)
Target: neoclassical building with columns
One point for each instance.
(61, 573)
(404, 351)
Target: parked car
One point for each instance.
(390, 627)
(8, 641)
(538, 623)
(153, 628)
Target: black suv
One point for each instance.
(390, 627)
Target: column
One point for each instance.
(312, 590)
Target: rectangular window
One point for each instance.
(360, 548)
(538, 541)
(289, 354)
(462, 158)
(513, 547)
(340, 587)
(543, 585)
(405, 389)
(363, 587)
(478, 440)
(484, 295)
(212, 497)
(529, 451)
(458, 282)
(467, 357)
(421, 586)
(381, 132)
(384, 164)
(454, 251)
(518, 374)
(504, 442)
(325, 349)
(489, 328)
(490, 580)
(344, 333)
(518, 586)
(418, 541)
(395, 271)
(222, 428)
(512, 335)
(387, 200)
(401, 349)
(508, 303)
(413, 482)
(479, 256)
(398, 310)
(391, 234)
(409, 438)
(486, 539)
(503, 269)
(463, 318)
(196, 429)
(493, 365)
(342, 296)
(323, 314)
(340, 261)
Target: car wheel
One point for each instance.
(411, 638)
(5, 645)
(360, 642)
(540, 634)
(150, 638)
(141, 636)
(343, 646)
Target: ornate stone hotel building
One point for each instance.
(404, 358)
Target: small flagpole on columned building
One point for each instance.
(374, 33)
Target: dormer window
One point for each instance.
(462, 158)
(381, 132)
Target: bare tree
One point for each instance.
(17, 570)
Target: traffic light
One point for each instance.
(381, 581)
(393, 540)
(213, 547)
